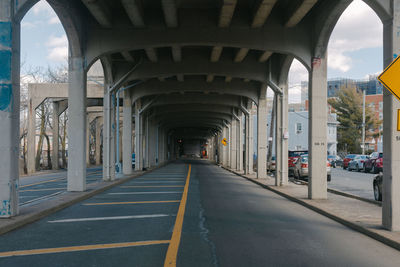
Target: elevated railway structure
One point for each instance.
(192, 69)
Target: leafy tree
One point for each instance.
(348, 105)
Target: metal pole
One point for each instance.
(363, 125)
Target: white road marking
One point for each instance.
(153, 182)
(139, 193)
(111, 218)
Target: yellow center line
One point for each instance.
(44, 189)
(126, 203)
(80, 248)
(43, 182)
(172, 253)
(145, 186)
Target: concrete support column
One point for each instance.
(87, 139)
(138, 137)
(391, 137)
(56, 134)
(281, 133)
(108, 136)
(280, 161)
(76, 176)
(233, 145)
(147, 143)
(127, 134)
(229, 146)
(317, 142)
(99, 123)
(239, 165)
(262, 141)
(9, 110)
(31, 136)
(225, 158)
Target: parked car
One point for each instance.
(357, 163)
(271, 165)
(374, 163)
(377, 185)
(301, 168)
(335, 160)
(293, 157)
(347, 159)
(133, 160)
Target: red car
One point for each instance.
(374, 163)
(347, 159)
(293, 157)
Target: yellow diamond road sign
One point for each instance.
(224, 141)
(390, 78)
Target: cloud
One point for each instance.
(297, 73)
(58, 48)
(358, 28)
(42, 7)
(54, 20)
(28, 25)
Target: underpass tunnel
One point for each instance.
(192, 70)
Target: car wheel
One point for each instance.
(357, 168)
(377, 193)
(329, 178)
(364, 169)
(374, 170)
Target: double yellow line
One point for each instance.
(172, 253)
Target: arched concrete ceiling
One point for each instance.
(201, 60)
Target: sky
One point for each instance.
(354, 51)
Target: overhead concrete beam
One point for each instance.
(236, 87)
(210, 78)
(176, 53)
(180, 78)
(300, 12)
(127, 56)
(265, 56)
(228, 79)
(99, 11)
(248, 69)
(170, 12)
(291, 41)
(135, 12)
(223, 100)
(193, 108)
(241, 54)
(151, 54)
(216, 53)
(226, 15)
(262, 13)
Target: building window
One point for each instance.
(380, 115)
(380, 105)
(298, 128)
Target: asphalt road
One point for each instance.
(227, 221)
(353, 182)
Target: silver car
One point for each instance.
(357, 163)
(301, 168)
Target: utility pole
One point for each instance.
(363, 125)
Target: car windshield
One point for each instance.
(380, 155)
(296, 153)
(351, 156)
(304, 159)
(331, 157)
(273, 158)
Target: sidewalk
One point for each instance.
(357, 214)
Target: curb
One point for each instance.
(354, 226)
(22, 220)
(341, 193)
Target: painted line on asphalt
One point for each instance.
(43, 182)
(44, 189)
(172, 253)
(110, 218)
(153, 182)
(80, 248)
(149, 186)
(41, 198)
(143, 193)
(131, 202)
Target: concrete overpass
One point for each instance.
(198, 65)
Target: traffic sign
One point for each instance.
(224, 141)
(390, 78)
